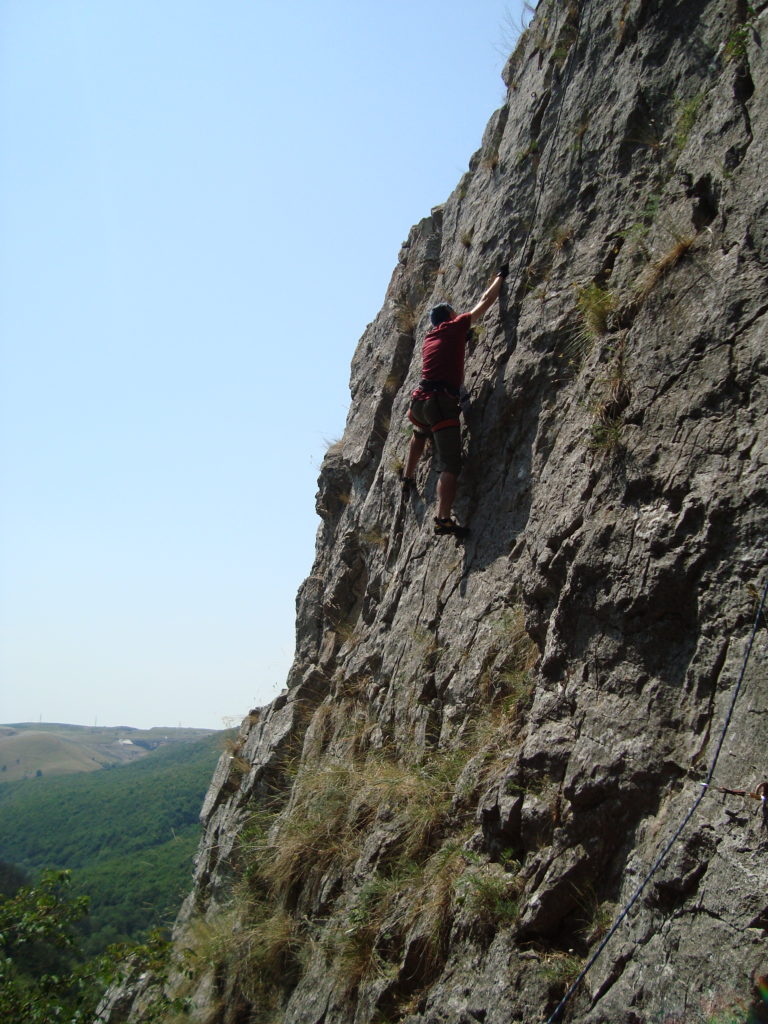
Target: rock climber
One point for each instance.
(435, 410)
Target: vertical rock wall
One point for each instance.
(482, 749)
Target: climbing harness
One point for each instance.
(426, 388)
(762, 789)
(442, 424)
(434, 427)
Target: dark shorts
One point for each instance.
(438, 415)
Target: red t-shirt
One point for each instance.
(442, 354)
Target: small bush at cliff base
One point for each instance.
(37, 981)
(41, 979)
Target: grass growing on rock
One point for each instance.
(561, 969)
(659, 268)
(594, 306)
(372, 857)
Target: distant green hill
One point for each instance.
(29, 750)
(128, 834)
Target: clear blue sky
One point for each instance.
(201, 205)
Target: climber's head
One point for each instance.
(441, 313)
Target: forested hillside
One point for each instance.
(128, 834)
(29, 750)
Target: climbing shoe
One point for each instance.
(445, 527)
(407, 484)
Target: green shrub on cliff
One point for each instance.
(43, 976)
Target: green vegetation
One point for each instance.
(529, 150)
(738, 39)
(597, 916)
(605, 432)
(492, 897)
(463, 187)
(726, 1011)
(128, 833)
(600, 311)
(610, 393)
(610, 396)
(560, 236)
(11, 879)
(686, 118)
(38, 980)
(636, 233)
(42, 976)
(392, 918)
(69, 822)
(130, 895)
(561, 969)
(594, 305)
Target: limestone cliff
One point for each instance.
(482, 749)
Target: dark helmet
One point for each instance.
(441, 313)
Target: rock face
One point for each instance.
(483, 749)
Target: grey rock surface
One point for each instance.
(482, 749)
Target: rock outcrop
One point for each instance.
(482, 749)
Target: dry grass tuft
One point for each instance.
(561, 969)
(594, 306)
(659, 269)
(394, 922)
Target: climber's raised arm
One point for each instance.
(490, 294)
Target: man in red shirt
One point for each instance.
(434, 408)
